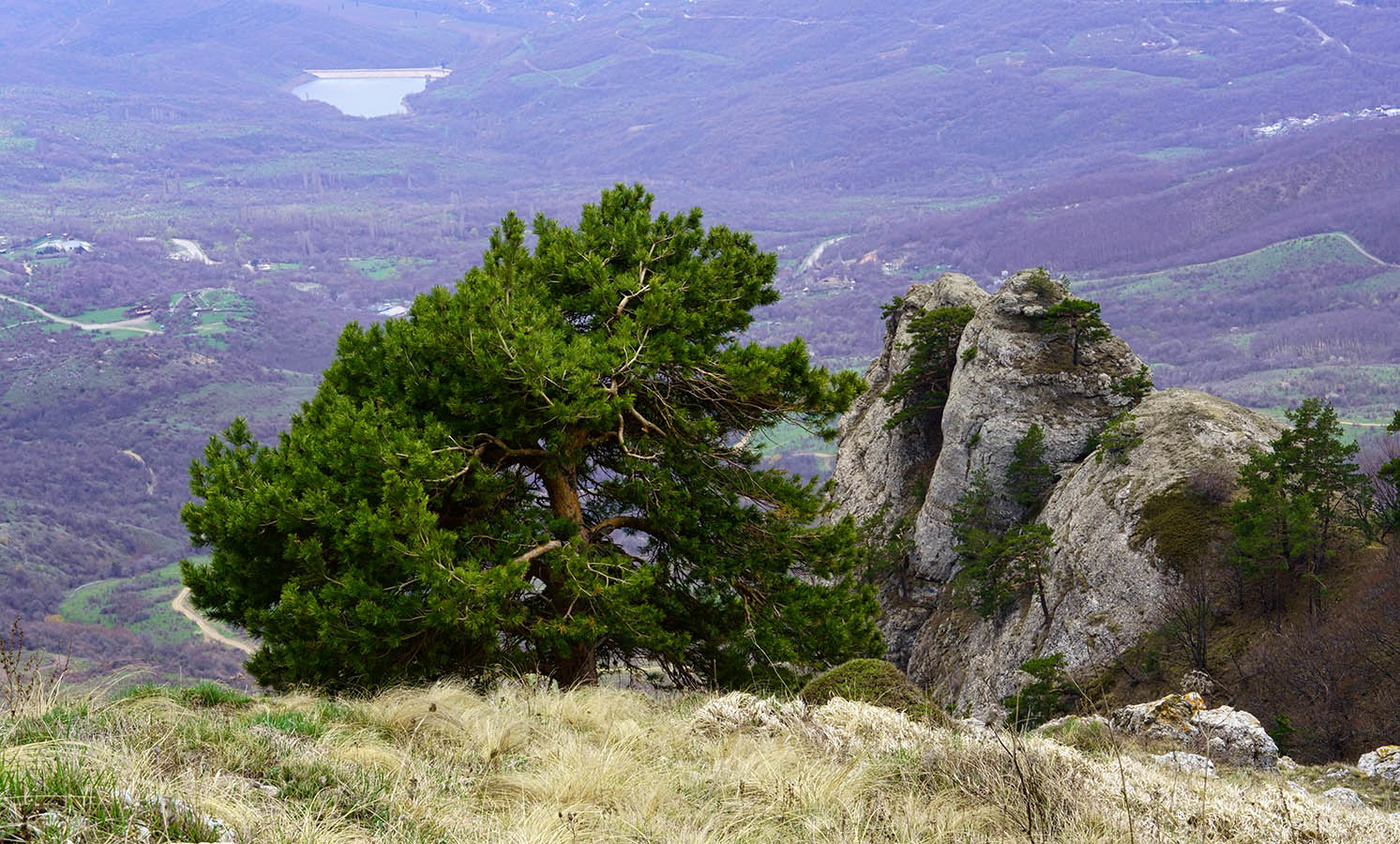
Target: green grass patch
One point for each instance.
(569, 77)
(297, 723)
(48, 799)
(11, 145)
(207, 695)
(703, 57)
(1180, 523)
(220, 298)
(1242, 273)
(141, 604)
(379, 269)
(388, 267)
(104, 315)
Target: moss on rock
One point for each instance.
(872, 681)
(1181, 523)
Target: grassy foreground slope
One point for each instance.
(523, 764)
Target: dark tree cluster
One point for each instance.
(1003, 559)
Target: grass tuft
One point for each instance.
(524, 763)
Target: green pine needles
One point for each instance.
(920, 391)
(1050, 693)
(1298, 495)
(1003, 559)
(1076, 320)
(544, 469)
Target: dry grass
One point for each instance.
(530, 765)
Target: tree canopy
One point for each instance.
(1289, 523)
(544, 469)
(1079, 321)
(920, 390)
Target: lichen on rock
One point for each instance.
(1223, 734)
(1383, 762)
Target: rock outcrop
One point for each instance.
(1012, 374)
(1223, 734)
(1105, 584)
(1383, 762)
(881, 469)
(1345, 797)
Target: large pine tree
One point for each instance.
(546, 469)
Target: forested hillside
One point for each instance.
(220, 231)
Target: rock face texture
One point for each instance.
(1104, 584)
(884, 469)
(1012, 374)
(1225, 734)
(1382, 762)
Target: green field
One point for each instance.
(141, 604)
(1173, 153)
(219, 298)
(1239, 274)
(105, 315)
(144, 609)
(386, 268)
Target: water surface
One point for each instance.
(363, 96)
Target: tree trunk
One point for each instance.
(579, 668)
(563, 498)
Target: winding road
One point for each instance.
(181, 605)
(1359, 248)
(139, 324)
(150, 473)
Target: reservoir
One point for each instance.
(368, 92)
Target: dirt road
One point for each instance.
(1359, 248)
(150, 473)
(181, 605)
(140, 324)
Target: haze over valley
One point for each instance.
(185, 228)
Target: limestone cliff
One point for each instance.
(1104, 586)
(881, 469)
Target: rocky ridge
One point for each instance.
(1105, 584)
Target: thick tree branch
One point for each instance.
(539, 551)
(621, 435)
(502, 454)
(613, 523)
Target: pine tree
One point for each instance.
(544, 469)
(1290, 522)
(1028, 477)
(1389, 474)
(920, 390)
(1077, 320)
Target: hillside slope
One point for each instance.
(534, 765)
